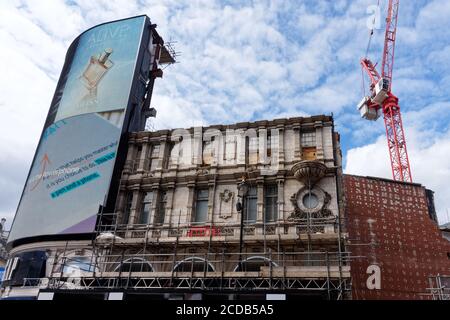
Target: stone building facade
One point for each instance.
(249, 208)
(190, 177)
(245, 210)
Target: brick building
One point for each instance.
(393, 236)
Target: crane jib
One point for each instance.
(382, 100)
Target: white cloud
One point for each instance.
(240, 61)
(429, 162)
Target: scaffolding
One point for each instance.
(439, 287)
(186, 258)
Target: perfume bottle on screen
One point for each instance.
(97, 68)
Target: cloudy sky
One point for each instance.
(241, 61)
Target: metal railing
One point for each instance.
(220, 231)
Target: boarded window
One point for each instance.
(309, 154)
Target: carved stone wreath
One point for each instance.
(302, 212)
(226, 195)
(202, 172)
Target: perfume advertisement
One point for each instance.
(73, 166)
(102, 69)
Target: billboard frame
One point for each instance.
(134, 120)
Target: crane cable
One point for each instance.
(368, 47)
(372, 30)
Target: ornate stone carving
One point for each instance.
(226, 204)
(202, 172)
(226, 196)
(309, 172)
(302, 212)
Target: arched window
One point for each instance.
(134, 265)
(193, 264)
(254, 264)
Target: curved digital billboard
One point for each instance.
(73, 166)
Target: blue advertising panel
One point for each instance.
(73, 166)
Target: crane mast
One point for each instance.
(383, 101)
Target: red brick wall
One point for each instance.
(406, 244)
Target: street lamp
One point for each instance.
(241, 207)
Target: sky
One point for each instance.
(244, 61)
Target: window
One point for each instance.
(134, 265)
(154, 157)
(271, 203)
(161, 211)
(310, 201)
(193, 265)
(251, 205)
(201, 206)
(75, 265)
(308, 139)
(254, 264)
(127, 209)
(269, 144)
(146, 208)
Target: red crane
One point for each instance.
(383, 101)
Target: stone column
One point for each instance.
(280, 150)
(146, 149)
(262, 146)
(130, 158)
(319, 140)
(297, 143)
(154, 208)
(260, 200)
(211, 197)
(241, 150)
(197, 147)
(175, 156)
(134, 212)
(120, 206)
(281, 214)
(190, 204)
(162, 154)
(169, 205)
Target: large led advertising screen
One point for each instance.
(72, 169)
